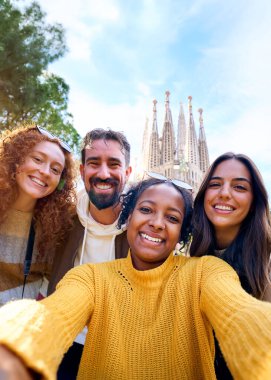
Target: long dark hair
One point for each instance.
(130, 199)
(249, 253)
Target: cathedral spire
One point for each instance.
(168, 140)
(193, 153)
(185, 158)
(154, 150)
(203, 150)
(168, 117)
(181, 135)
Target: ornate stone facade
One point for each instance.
(185, 157)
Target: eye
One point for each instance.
(115, 164)
(145, 209)
(173, 219)
(92, 163)
(240, 187)
(214, 185)
(36, 159)
(56, 170)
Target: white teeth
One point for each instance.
(39, 182)
(221, 207)
(156, 240)
(103, 186)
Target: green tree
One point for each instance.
(27, 92)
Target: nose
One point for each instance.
(103, 172)
(157, 222)
(225, 191)
(44, 169)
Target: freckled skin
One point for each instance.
(40, 173)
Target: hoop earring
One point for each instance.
(61, 184)
(13, 175)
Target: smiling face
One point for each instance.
(104, 172)
(154, 226)
(228, 199)
(40, 173)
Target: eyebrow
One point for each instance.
(170, 208)
(98, 158)
(233, 179)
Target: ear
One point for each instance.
(128, 172)
(61, 184)
(128, 220)
(82, 171)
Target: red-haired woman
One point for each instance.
(36, 207)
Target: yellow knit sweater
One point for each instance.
(145, 325)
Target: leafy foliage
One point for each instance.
(28, 93)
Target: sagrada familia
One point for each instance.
(185, 158)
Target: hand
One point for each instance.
(11, 366)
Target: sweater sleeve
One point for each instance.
(242, 323)
(41, 332)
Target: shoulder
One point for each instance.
(215, 264)
(121, 245)
(72, 237)
(82, 195)
(209, 267)
(94, 271)
(79, 274)
(216, 272)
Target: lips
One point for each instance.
(103, 184)
(151, 238)
(38, 181)
(224, 207)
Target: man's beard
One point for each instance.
(102, 201)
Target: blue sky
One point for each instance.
(124, 53)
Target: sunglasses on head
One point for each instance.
(46, 133)
(176, 182)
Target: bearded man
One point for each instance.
(95, 238)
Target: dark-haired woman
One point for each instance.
(150, 315)
(36, 207)
(232, 221)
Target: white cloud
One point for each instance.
(244, 135)
(236, 71)
(83, 21)
(128, 118)
(156, 40)
(144, 89)
(165, 19)
(248, 134)
(103, 11)
(237, 60)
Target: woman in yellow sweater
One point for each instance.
(149, 316)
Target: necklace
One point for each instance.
(219, 252)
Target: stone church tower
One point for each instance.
(184, 158)
(168, 142)
(152, 145)
(203, 150)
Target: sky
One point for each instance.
(125, 53)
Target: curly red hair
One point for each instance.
(52, 214)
